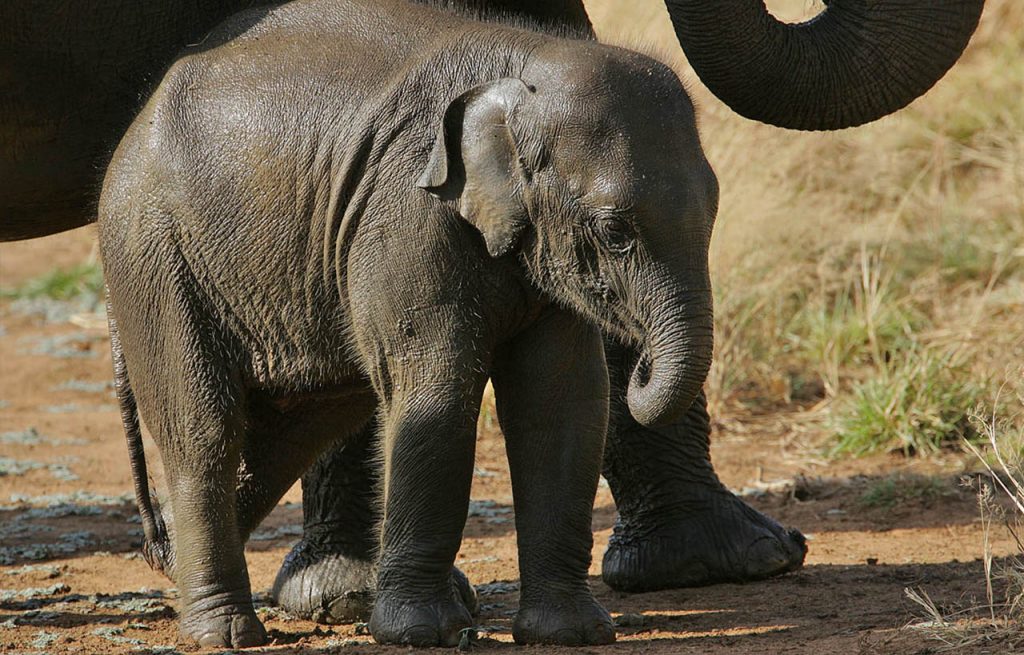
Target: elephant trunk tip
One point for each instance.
(657, 397)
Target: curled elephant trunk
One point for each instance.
(672, 369)
(855, 62)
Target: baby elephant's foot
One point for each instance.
(565, 619)
(399, 620)
(223, 621)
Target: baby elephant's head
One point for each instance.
(590, 170)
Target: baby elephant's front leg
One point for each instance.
(551, 387)
(429, 440)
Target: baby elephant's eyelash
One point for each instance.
(614, 232)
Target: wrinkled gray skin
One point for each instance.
(297, 240)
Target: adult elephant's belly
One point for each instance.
(72, 77)
(56, 134)
(63, 109)
(47, 186)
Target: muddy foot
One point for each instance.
(728, 541)
(573, 620)
(326, 587)
(217, 622)
(329, 587)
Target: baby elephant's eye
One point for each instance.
(615, 233)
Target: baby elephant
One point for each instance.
(337, 211)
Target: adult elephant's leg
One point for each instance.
(678, 526)
(281, 444)
(328, 576)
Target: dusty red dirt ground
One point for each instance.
(71, 580)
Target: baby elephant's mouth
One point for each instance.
(642, 372)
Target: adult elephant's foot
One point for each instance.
(325, 585)
(725, 540)
(574, 619)
(329, 576)
(223, 621)
(678, 526)
(332, 585)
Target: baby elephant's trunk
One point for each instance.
(156, 546)
(673, 366)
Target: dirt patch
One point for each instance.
(71, 579)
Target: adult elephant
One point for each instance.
(72, 77)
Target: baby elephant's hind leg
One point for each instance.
(195, 408)
(210, 564)
(200, 442)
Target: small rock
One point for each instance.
(631, 620)
(496, 587)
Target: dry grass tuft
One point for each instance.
(1000, 619)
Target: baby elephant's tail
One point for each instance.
(156, 548)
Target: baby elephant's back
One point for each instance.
(273, 97)
(238, 153)
(230, 175)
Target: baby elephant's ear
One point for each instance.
(475, 162)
